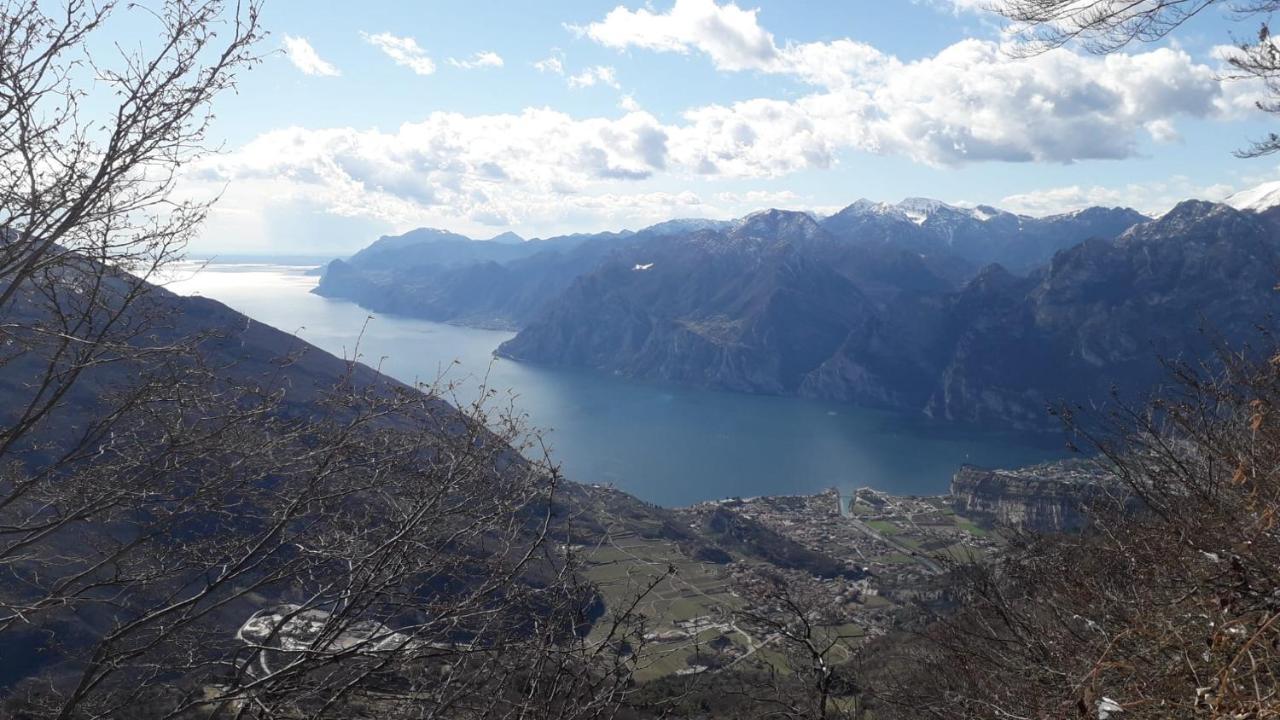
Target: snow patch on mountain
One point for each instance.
(1257, 199)
(681, 226)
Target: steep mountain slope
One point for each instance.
(754, 309)
(480, 283)
(1101, 313)
(779, 305)
(240, 476)
(916, 246)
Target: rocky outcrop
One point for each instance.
(1053, 497)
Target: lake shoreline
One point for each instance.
(665, 443)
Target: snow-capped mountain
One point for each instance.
(1257, 199)
(681, 226)
(978, 235)
(779, 305)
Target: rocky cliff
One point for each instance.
(878, 305)
(778, 304)
(1099, 316)
(1053, 497)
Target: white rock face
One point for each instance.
(1262, 197)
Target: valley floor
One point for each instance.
(893, 549)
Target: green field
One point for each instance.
(627, 566)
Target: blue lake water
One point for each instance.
(668, 445)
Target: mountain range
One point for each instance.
(973, 315)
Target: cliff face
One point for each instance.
(1054, 497)
(779, 304)
(748, 312)
(1099, 315)
(879, 305)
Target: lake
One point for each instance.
(667, 445)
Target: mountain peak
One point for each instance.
(915, 209)
(507, 237)
(417, 236)
(1188, 217)
(924, 205)
(863, 205)
(1193, 209)
(783, 224)
(1257, 199)
(685, 225)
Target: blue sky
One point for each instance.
(545, 118)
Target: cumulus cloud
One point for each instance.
(305, 58)
(479, 60)
(968, 103)
(734, 40)
(491, 162)
(405, 51)
(1152, 198)
(592, 76)
(730, 35)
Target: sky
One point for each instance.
(548, 118)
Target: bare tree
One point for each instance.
(1173, 612)
(1105, 26)
(198, 516)
(810, 643)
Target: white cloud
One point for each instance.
(729, 34)
(508, 165)
(588, 77)
(305, 58)
(968, 103)
(734, 41)
(597, 75)
(1152, 198)
(960, 6)
(479, 60)
(404, 51)
(553, 63)
(1163, 130)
